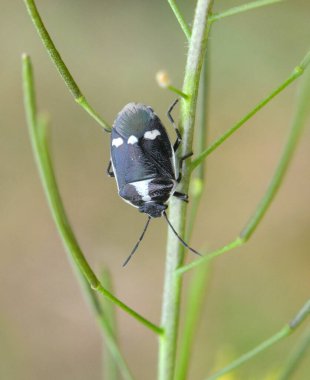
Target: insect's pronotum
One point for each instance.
(143, 162)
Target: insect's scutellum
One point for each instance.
(143, 162)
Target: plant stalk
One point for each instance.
(175, 251)
(296, 357)
(60, 64)
(243, 8)
(180, 18)
(196, 294)
(298, 123)
(45, 167)
(296, 73)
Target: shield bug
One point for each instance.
(143, 162)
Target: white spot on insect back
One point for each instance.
(151, 135)
(132, 140)
(142, 188)
(117, 142)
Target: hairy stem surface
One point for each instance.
(175, 251)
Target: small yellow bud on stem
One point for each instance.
(163, 81)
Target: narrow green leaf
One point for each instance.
(60, 65)
(243, 8)
(296, 357)
(110, 365)
(41, 153)
(180, 19)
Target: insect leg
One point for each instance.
(110, 170)
(179, 137)
(183, 197)
(181, 165)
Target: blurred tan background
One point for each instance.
(113, 49)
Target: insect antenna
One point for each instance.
(138, 242)
(179, 237)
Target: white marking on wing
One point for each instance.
(132, 140)
(142, 188)
(151, 135)
(117, 142)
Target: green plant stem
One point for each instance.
(283, 333)
(203, 113)
(296, 357)
(108, 333)
(91, 297)
(299, 120)
(180, 19)
(110, 365)
(198, 180)
(177, 91)
(242, 8)
(297, 72)
(298, 123)
(196, 296)
(48, 179)
(198, 286)
(210, 256)
(175, 251)
(60, 65)
(114, 350)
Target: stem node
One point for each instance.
(298, 70)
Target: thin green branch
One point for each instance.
(164, 81)
(108, 332)
(305, 62)
(110, 365)
(41, 153)
(283, 333)
(114, 350)
(210, 256)
(175, 252)
(242, 8)
(180, 19)
(196, 296)
(296, 357)
(297, 72)
(60, 65)
(202, 128)
(301, 316)
(198, 181)
(177, 91)
(299, 121)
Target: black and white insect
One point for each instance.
(143, 162)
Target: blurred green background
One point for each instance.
(113, 49)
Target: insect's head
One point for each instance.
(153, 209)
